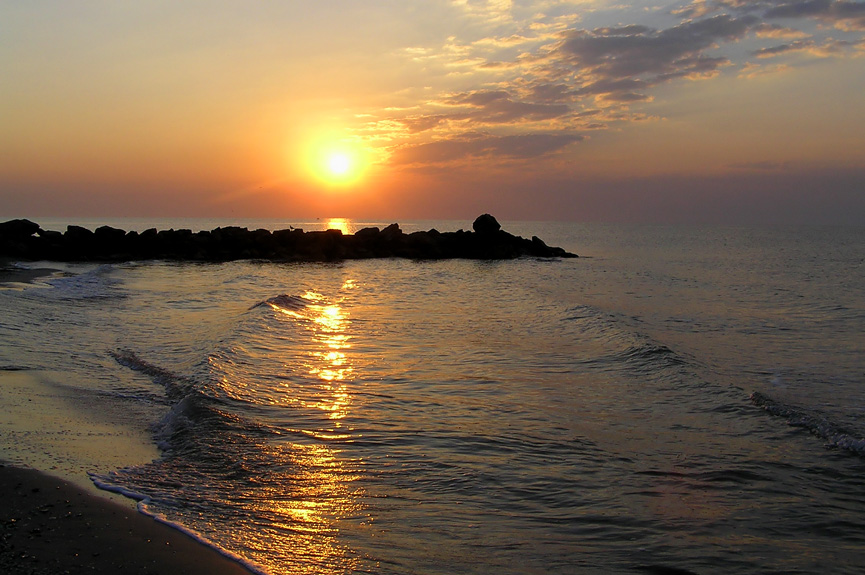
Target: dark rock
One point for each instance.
(77, 234)
(78, 244)
(392, 232)
(109, 234)
(486, 224)
(24, 240)
(18, 229)
(50, 235)
(18, 239)
(367, 233)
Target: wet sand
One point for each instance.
(47, 426)
(12, 275)
(48, 526)
(55, 526)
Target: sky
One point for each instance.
(709, 111)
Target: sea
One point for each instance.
(678, 399)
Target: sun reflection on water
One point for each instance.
(300, 510)
(341, 224)
(330, 362)
(306, 501)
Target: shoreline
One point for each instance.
(48, 525)
(11, 275)
(45, 427)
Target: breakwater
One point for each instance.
(25, 240)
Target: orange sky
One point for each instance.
(718, 110)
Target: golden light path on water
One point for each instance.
(342, 224)
(305, 505)
(332, 366)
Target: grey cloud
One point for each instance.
(625, 97)
(783, 49)
(636, 50)
(516, 147)
(767, 30)
(620, 64)
(547, 92)
(499, 107)
(697, 9)
(830, 48)
(801, 9)
(844, 14)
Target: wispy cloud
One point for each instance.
(533, 81)
(824, 50)
(468, 147)
(842, 14)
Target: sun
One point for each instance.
(339, 164)
(336, 163)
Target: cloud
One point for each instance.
(766, 30)
(842, 14)
(621, 64)
(638, 51)
(697, 9)
(825, 50)
(513, 147)
(490, 11)
(415, 124)
(552, 92)
(533, 69)
(559, 89)
(750, 70)
(499, 107)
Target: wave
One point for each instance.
(13, 367)
(650, 355)
(94, 284)
(285, 301)
(176, 386)
(834, 435)
(631, 349)
(105, 483)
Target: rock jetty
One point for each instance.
(24, 240)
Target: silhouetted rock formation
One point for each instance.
(486, 224)
(25, 240)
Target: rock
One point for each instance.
(367, 233)
(18, 229)
(486, 224)
(24, 240)
(392, 232)
(78, 234)
(109, 234)
(18, 239)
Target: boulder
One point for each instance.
(486, 224)
(391, 233)
(18, 229)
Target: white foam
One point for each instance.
(144, 500)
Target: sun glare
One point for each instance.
(339, 164)
(335, 162)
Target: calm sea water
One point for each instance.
(677, 398)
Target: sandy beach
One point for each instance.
(49, 526)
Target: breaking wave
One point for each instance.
(834, 435)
